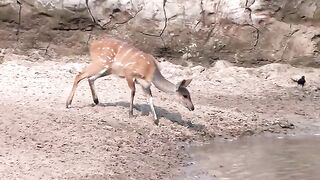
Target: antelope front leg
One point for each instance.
(93, 91)
(147, 90)
(155, 117)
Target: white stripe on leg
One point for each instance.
(152, 108)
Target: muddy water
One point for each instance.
(251, 158)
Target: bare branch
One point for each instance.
(287, 41)
(250, 23)
(46, 50)
(165, 22)
(89, 37)
(209, 34)
(247, 3)
(147, 34)
(92, 17)
(130, 17)
(215, 23)
(19, 20)
(196, 24)
(257, 36)
(202, 12)
(165, 17)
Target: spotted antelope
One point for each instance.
(113, 56)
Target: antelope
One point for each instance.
(113, 56)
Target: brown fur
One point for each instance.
(112, 56)
(122, 59)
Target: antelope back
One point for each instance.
(122, 58)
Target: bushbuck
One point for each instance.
(113, 56)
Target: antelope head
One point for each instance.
(183, 94)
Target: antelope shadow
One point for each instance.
(145, 110)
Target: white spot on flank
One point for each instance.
(135, 54)
(148, 62)
(131, 63)
(117, 64)
(126, 52)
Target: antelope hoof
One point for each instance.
(131, 115)
(67, 105)
(96, 101)
(156, 122)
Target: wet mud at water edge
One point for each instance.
(40, 138)
(276, 157)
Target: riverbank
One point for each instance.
(40, 138)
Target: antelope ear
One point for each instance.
(183, 83)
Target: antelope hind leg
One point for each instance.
(88, 72)
(131, 84)
(91, 80)
(77, 79)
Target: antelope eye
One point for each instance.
(185, 96)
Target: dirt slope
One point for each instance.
(40, 138)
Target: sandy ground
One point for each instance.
(40, 138)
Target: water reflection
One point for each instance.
(262, 158)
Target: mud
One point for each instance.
(265, 157)
(40, 138)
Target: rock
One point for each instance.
(258, 32)
(221, 64)
(186, 56)
(199, 68)
(1, 59)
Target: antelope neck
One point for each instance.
(162, 83)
